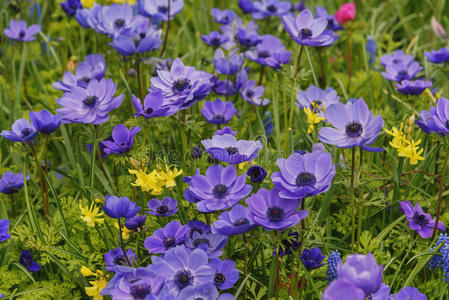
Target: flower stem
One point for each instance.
(245, 267)
(349, 54)
(41, 185)
(353, 198)
(122, 245)
(298, 63)
(278, 267)
(360, 206)
(440, 194)
(262, 72)
(166, 31)
(139, 78)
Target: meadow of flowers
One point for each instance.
(224, 149)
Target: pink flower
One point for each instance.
(345, 13)
(438, 29)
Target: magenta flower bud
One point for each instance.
(345, 13)
(363, 271)
(438, 29)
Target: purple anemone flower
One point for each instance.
(247, 6)
(363, 271)
(205, 291)
(340, 288)
(247, 39)
(252, 93)
(397, 58)
(270, 8)
(269, 210)
(19, 31)
(229, 65)
(71, 6)
(228, 149)
(214, 38)
(223, 87)
(415, 87)
(400, 72)
(354, 126)
(182, 86)
(225, 130)
(307, 31)
(225, 16)
(438, 56)
(198, 226)
(89, 105)
(134, 283)
(226, 275)
(441, 116)
(88, 18)
(218, 112)
(143, 39)
(163, 208)
(269, 52)
(305, 175)
(21, 131)
(182, 268)
(288, 245)
(116, 207)
(4, 227)
(166, 238)
(312, 258)
(332, 23)
(26, 259)
(219, 189)
(257, 174)
(136, 223)
(11, 183)
(116, 19)
(211, 243)
(407, 293)
(420, 221)
(153, 106)
(235, 221)
(44, 121)
(116, 257)
(122, 139)
(426, 121)
(231, 31)
(158, 9)
(93, 67)
(314, 98)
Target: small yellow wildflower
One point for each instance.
(312, 118)
(125, 231)
(130, 2)
(406, 146)
(168, 176)
(87, 272)
(72, 63)
(96, 285)
(87, 3)
(91, 215)
(148, 182)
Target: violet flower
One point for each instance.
(399, 72)
(211, 243)
(153, 106)
(439, 56)
(166, 238)
(229, 65)
(415, 87)
(28, 262)
(142, 39)
(21, 131)
(419, 221)
(225, 16)
(314, 98)
(426, 122)
(11, 183)
(269, 52)
(19, 31)
(340, 288)
(270, 8)
(214, 38)
(226, 274)
(312, 258)
(116, 207)
(4, 227)
(206, 291)
(158, 9)
(44, 121)
(234, 221)
(441, 116)
(122, 140)
(116, 257)
(218, 112)
(163, 208)
(71, 6)
(397, 58)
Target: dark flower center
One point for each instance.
(183, 279)
(215, 41)
(119, 260)
(420, 219)
(162, 9)
(21, 34)
(219, 278)
(305, 179)
(220, 190)
(140, 291)
(255, 173)
(250, 93)
(305, 33)
(272, 8)
(162, 209)
(264, 54)
(275, 213)
(180, 85)
(354, 129)
(219, 118)
(119, 23)
(396, 61)
(168, 241)
(232, 150)
(402, 75)
(149, 110)
(142, 35)
(241, 221)
(85, 79)
(200, 241)
(26, 132)
(447, 124)
(193, 230)
(90, 101)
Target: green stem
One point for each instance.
(360, 206)
(440, 194)
(349, 54)
(167, 31)
(245, 267)
(41, 185)
(92, 162)
(353, 198)
(299, 60)
(122, 245)
(139, 78)
(277, 268)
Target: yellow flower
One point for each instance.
(312, 118)
(406, 146)
(87, 272)
(87, 3)
(91, 215)
(95, 288)
(169, 176)
(130, 2)
(148, 182)
(125, 231)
